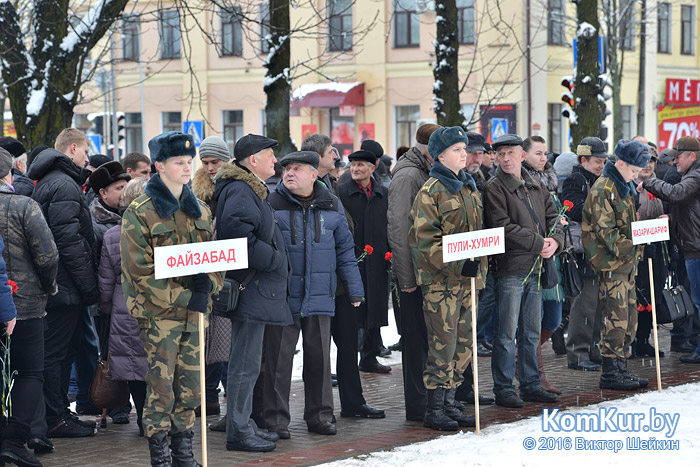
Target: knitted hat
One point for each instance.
(443, 138)
(107, 174)
(564, 164)
(424, 132)
(5, 162)
(171, 144)
(633, 152)
(13, 146)
(213, 146)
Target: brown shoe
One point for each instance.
(544, 382)
(213, 408)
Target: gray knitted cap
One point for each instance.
(213, 146)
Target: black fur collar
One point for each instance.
(165, 203)
(452, 181)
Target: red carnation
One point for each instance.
(368, 249)
(648, 307)
(568, 205)
(388, 256)
(651, 197)
(13, 286)
(640, 307)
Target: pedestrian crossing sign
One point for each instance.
(499, 127)
(194, 128)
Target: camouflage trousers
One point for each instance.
(618, 305)
(172, 380)
(448, 320)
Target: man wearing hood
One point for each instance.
(59, 174)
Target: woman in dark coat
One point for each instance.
(127, 357)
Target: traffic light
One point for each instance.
(568, 98)
(121, 131)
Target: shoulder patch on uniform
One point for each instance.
(609, 185)
(429, 184)
(138, 202)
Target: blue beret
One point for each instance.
(171, 144)
(633, 152)
(443, 138)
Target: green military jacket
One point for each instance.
(445, 205)
(154, 220)
(607, 225)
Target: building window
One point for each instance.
(627, 121)
(406, 24)
(169, 34)
(134, 132)
(555, 22)
(627, 25)
(664, 28)
(687, 33)
(554, 125)
(233, 127)
(130, 38)
(171, 121)
(231, 33)
(340, 25)
(263, 122)
(406, 120)
(264, 27)
(465, 21)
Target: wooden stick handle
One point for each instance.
(202, 385)
(653, 318)
(475, 367)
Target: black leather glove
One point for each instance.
(199, 302)
(202, 283)
(470, 268)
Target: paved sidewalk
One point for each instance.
(119, 445)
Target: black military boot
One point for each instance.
(13, 448)
(612, 379)
(453, 411)
(622, 368)
(182, 449)
(435, 417)
(160, 451)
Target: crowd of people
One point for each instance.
(330, 247)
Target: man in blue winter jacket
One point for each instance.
(319, 242)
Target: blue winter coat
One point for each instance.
(319, 243)
(7, 306)
(243, 211)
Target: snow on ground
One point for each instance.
(504, 444)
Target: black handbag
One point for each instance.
(225, 303)
(675, 303)
(570, 272)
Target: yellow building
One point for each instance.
(169, 72)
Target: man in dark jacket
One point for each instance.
(318, 239)
(409, 175)
(522, 205)
(582, 352)
(32, 262)
(366, 202)
(59, 193)
(243, 211)
(21, 183)
(684, 198)
(323, 146)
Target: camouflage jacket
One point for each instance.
(157, 219)
(445, 205)
(607, 225)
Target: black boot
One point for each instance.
(435, 417)
(622, 368)
(453, 411)
(612, 379)
(13, 448)
(160, 451)
(182, 449)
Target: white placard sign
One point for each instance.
(193, 258)
(653, 230)
(473, 244)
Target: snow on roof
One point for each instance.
(305, 89)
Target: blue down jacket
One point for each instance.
(319, 243)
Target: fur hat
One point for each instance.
(424, 132)
(213, 146)
(633, 152)
(443, 138)
(5, 162)
(171, 144)
(13, 146)
(107, 174)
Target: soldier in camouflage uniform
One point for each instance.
(448, 203)
(168, 309)
(607, 240)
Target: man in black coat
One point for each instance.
(58, 191)
(243, 211)
(366, 201)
